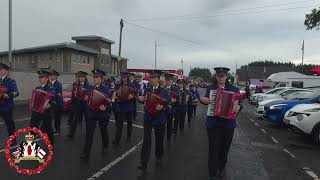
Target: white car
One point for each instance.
(281, 94)
(254, 98)
(291, 96)
(305, 119)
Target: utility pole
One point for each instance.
(120, 41)
(302, 56)
(155, 54)
(182, 65)
(10, 33)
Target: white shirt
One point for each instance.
(52, 82)
(154, 88)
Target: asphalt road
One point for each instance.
(260, 150)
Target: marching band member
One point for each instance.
(171, 110)
(156, 122)
(6, 99)
(125, 111)
(78, 105)
(181, 107)
(58, 106)
(45, 118)
(220, 131)
(192, 105)
(114, 89)
(92, 117)
(135, 84)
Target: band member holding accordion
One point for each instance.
(181, 107)
(193, 100)
(219, 130)
(77, 102)
(100, 114)
(9, 91)
(113, 88)
(135, 84)
(156, 100)
(38, 115)
(125, 108)
(58, 106)
(173, 92)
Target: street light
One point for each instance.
(10, 33)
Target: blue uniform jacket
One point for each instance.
(160, 119)
(127, 106)
(195, 94)
(11, 85)
(171, 108)
(179, 106)
(58, 93)
(218, 121)
(103, 114)
(112, 89)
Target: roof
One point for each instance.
(116, 57)
(92, 37)
(53, 47)
(284, 76)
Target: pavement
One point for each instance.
(260, 151)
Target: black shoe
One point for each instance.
(158, 162)
(116, 143)
(142, 167)
(84, 156)
(104, 150)
(222, 173)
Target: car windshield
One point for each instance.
(285, 93)
(273, 91)
(67, 87)
(299, 95)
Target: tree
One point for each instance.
(312, 20)
(203, 73)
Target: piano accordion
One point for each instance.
(3, 90)
(125, 92)
(39, 100)
(79, 92)
(223, 103)
(152, 100)
(94, 99)
(184, 98)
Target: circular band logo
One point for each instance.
(29, 150)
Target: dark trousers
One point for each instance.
(169, 125)
(147, 141)
(219, 144)
(179, 120)
(122, 117)
(46, 126)
(191, 112)
(134, 113)
(90, 129)
(8, 120)
(57, 111)
(75, 118)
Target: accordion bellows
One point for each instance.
(125, 92)
(39, 100)
(223, 103)
(152, 100)
(79, 92)
(95, 99)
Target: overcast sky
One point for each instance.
(269, 33)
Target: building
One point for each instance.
(85, 54)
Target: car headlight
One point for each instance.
(277, 106)
(300, 117)
(67, 99)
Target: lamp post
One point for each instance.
(10, 33)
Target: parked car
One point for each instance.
(280, 94)
(260, 107)
(66, 95)
(304, 119)
(254, 98)
(276, 110)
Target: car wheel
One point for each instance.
(316, 135)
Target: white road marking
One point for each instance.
(288, 152)
(256, 124)
(251, 120)
(274, 140)
(311, 173)
(264, 131)
(114, 162)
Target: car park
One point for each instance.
(254, 98)
(281, 94)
